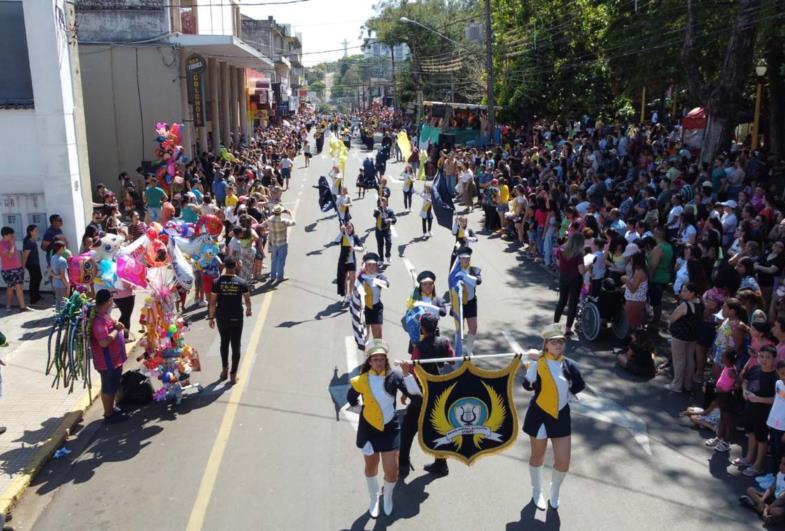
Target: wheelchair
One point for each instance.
(595, 312)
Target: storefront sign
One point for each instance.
(195, 67)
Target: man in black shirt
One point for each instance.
(226, 307)
(431, 346)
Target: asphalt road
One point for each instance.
(277, 453)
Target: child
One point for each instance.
(13, 272)
(769, 504)
(725, 401)
(776, 420)
(758, 390)
(598, 268)
(58, 269)
(231, 197)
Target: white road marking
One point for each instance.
(513, 344)
(606, 410)
(411, 269)
(393, 231)
(300, 193)
(352, 366)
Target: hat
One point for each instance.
(426, 276)
(376, 346)
(371, 258)
(552, 332)
(429, 323)
(730, 204)
(706, 184)
(277, 209)
(630, 250)
(464, 252)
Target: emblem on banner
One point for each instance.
(468, 413)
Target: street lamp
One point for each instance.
(760, 73)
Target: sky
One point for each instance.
(324, 24)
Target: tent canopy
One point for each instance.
(695, 119)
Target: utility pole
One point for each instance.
(394, 88)
(489, 66)
(345, 48)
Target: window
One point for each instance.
(16, 90)
(39, 220)
(15, 222)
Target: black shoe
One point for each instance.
(2, 430)
(437, 469)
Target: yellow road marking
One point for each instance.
(199, 510)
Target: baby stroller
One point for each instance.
(607, 307)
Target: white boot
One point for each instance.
(387, 494)
(536, 476)
(468, 345)
(556, 480)
(373, 492)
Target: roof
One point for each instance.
(226, 47)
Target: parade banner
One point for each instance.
(468, 413)
(443, 207)
(356, 312)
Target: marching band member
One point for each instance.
(463, 235)
(424, 295)
(347, 263)
(408, 187)
(471, 277)
(430, 346)
(342, 204)
(552, 377)
(373, 282)
(426, 211)
(378, 432)
(384, 217)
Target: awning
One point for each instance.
(224, 48)
(695, 119)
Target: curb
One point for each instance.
(23, 480)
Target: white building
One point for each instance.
(42, 134)
(375, 49)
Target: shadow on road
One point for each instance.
(98, 443)
(528, 520)
(407, 500)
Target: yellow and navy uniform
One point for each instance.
(378, 430)
(347, 261)
(426, 211)
(373, 309)
(552, 379)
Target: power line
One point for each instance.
(151, 6)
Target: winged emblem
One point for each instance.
(439, 419)
(496, 416)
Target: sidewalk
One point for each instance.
(36, 415)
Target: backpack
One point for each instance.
(135, 389)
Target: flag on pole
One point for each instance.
(356, 312)
(443, 207)
(455, 285)
(404, 145)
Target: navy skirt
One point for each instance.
(554, 428)
(381, 441)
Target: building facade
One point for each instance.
(150, 61)
(42, 134)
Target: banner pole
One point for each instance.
(460, 358)
(460, 313)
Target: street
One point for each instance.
(277, 451)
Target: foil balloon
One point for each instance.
(110, 246)
(107, 275)
(135, 248)
(191, 246)
(211, 223)
(157, 255)
(183, 272)
(132, 270)
(82, 269)
(206, 254)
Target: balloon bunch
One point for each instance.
(169, 153)
(166, 355)
(69, 344)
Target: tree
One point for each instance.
(722, 99)
(774, 39)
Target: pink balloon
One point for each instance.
(132, 271)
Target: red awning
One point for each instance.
(695, 119)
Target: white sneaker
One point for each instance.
(711, 443)
(722, 446)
